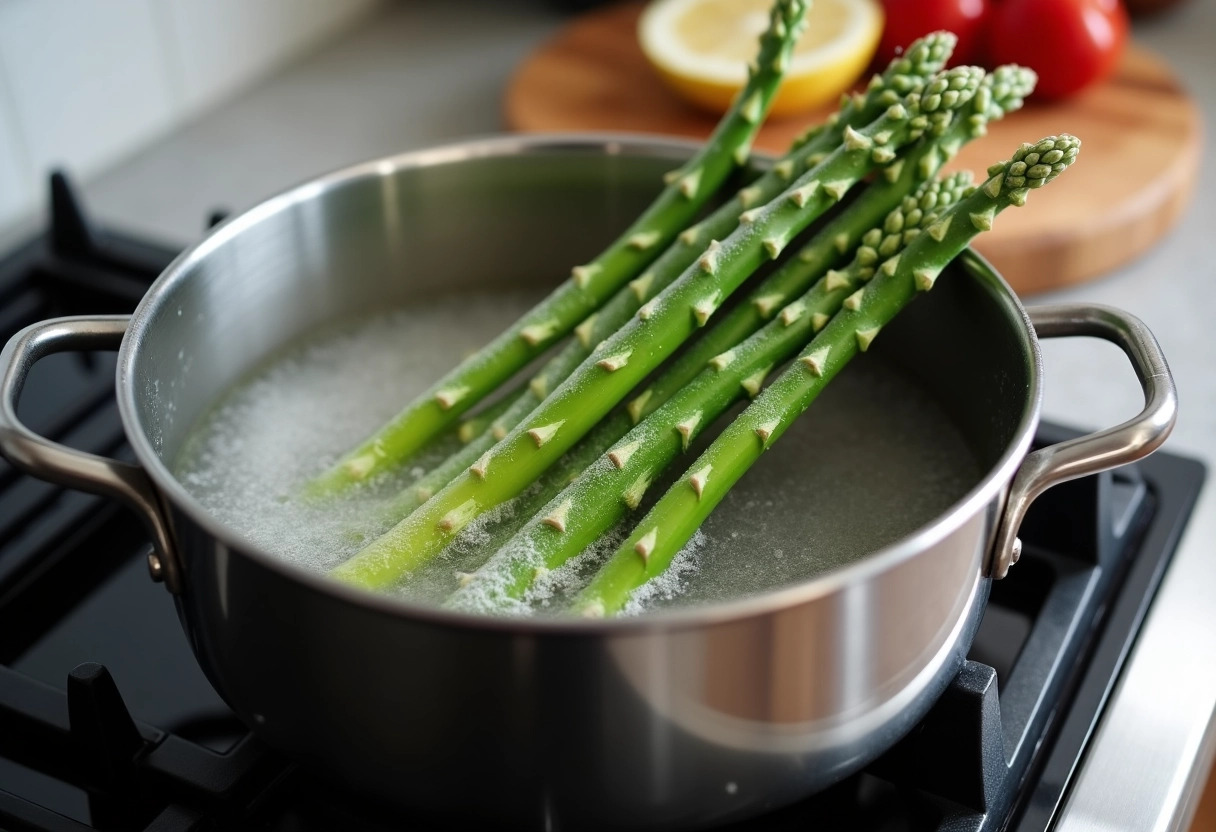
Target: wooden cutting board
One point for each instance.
(1139, 160)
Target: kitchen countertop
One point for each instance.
(425, 73)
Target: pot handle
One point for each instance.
(1136, 438)
(60, 464)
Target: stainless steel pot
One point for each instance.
(680, 719)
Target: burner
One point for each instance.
(74, 268)
(107, 722)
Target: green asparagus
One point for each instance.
(907, 73)
(616, 482)
(590, 285)
(671, 522)
(511, 574)
(661, 325)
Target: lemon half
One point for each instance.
(701, 49)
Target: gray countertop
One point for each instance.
(429, 72)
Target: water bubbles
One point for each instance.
(871, 461)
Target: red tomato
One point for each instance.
(1070, 43)
(908, 20)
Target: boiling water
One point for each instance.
(872, 460)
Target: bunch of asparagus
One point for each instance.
(590, 285)
(573, 465)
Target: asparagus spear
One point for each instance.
(661, 325)
(667, 527)
(615, 483)
(590, 285)
(905, 74)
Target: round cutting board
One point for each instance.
(1139, 157)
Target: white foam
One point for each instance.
(306, 406)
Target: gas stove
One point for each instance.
(107, 723)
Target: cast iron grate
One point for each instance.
(74, 267)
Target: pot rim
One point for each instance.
(990, 487)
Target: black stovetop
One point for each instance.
(107, 723)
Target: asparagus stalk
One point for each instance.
(590, 285)
(908, 73)
(616, 482)
(1001, 92)
(660, 326)
(671, 522)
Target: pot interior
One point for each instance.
(514, 215)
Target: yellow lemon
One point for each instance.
(701, 49)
